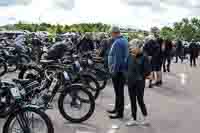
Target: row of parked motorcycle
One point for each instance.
(75, 81)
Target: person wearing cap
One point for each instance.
(138, 70)
(193, 48)
(117, 62)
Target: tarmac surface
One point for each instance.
(173, 108)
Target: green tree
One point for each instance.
(59, 29)
(66, 28)
(167, 33)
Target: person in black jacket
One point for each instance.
(167, 55)
(86, 44)
(160, 57)
(193, 48)
(36, 46)
(179, 51)
(152, 50)
(138, 69)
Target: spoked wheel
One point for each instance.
(92, 85)
(76, 104)
(3, 68)
(30, 120)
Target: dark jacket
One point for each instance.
(149, 48)
(179, 46)
(138, 68)
(152, 48)
(168, 48)
(193, 48)
(160, 54)
(36, 42)
(85, 45)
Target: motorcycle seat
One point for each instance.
(22, 81)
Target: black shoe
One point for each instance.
(112, 111)
(116, 116)
(164, 70)
(159, 83)
(150, 86)
(156, 84)
(168, 70)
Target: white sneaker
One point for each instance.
(146, 121)
(132, 123)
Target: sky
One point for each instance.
(140, 14)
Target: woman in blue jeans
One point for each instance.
(138, 70)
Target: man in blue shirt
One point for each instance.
(117, 63)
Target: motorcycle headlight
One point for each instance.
(90, 62)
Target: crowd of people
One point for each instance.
(129, 62)
(136, 61)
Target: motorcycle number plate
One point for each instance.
(15, 92)
(66, 75)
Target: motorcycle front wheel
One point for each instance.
(30, 120)
(76, 104)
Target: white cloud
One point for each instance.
(65, 4)
(136, 13)
(14, 2)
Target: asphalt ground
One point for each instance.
(173, 107)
